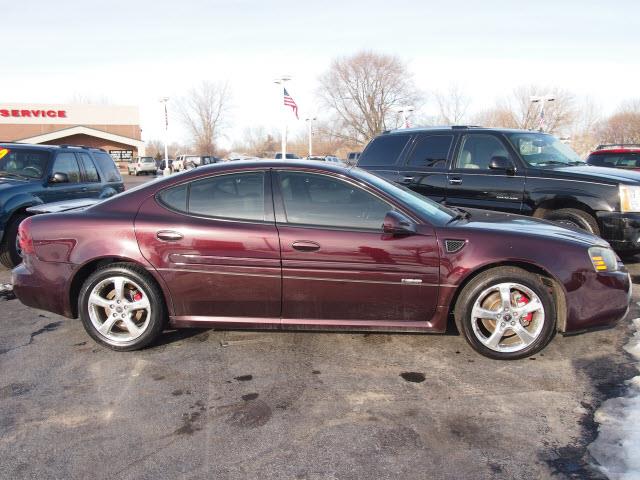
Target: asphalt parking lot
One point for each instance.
(297, 405)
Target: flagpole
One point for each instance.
(281, 81)
(166, 170)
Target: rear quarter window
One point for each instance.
(383, 150)
(107, 166)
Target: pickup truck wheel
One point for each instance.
(9, 251)
(574, 219)
(121, 307)
(506, 313)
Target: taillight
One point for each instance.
(25, 241)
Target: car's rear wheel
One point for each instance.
(574, 219)
(506, 313)
(9, 249)
(121, 307)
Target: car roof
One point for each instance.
(616, 150)
(456, 128)
(41, 146)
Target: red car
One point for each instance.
(311, 245)
(623, 155)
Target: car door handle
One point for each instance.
(305, 246)
(455, 181)
(169, 236)
(406, 180)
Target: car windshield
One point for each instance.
(23, 163)
(542, 150)
(424, 206)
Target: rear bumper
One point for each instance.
(621, 230)
(44, 287)
(597, 300)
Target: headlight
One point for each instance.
(603, 259)
(629, 198)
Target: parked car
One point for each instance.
(161, 166)
(295, 244)
(142, 165)
(515, 171)
(289, 156)
(625, 156)
(36, 174)
(352, 158)
(187, 162)
(324, 158)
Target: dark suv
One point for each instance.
(515, 171)
(36, 174)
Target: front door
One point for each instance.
(338, 266)
(215, 243)
(64, 162)
(471, 183)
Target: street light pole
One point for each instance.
(406, 110)
(167, 170)
(281, 81)
(310, 128)
(541, 100)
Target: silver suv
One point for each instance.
(146, 165)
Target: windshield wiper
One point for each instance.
(11, 174)
(460, 214)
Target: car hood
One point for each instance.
(518, 224)
(591, 173)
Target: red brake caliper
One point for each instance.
(137, 297)
(522, 301)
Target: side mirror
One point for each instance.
(397, 224)
(59, 177)
(502, 163)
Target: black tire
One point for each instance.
(9, 253)
(157, 319)
(575, 219)
(485, 280)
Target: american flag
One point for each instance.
(290, 102)
(541, 124)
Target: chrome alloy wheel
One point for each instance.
(119, 309)
(507, 317)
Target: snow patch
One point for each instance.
(617, 448)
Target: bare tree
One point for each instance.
(623, 126)
(364, 91)
(257, 141)
(204, 111)
(452, 105)
(558, 114)
(584, 131)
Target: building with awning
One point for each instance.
(115, 129)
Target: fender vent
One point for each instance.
(453, 246)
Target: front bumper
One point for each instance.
(621, 230)
(597, 300)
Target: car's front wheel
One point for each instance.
(506, 313)
(121, 307)
(574, 219)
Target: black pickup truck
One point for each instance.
(515, 171)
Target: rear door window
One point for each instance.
(235, 196)
(384, 150)
(431, 151)
(90, 171)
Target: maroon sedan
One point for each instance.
(311, 245)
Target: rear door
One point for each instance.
(339, 268)
(384, 154)
(215, 243)
(425, 169)
(471, 183)
(90, 187)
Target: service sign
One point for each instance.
(72, 114)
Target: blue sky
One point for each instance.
(133, 52)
